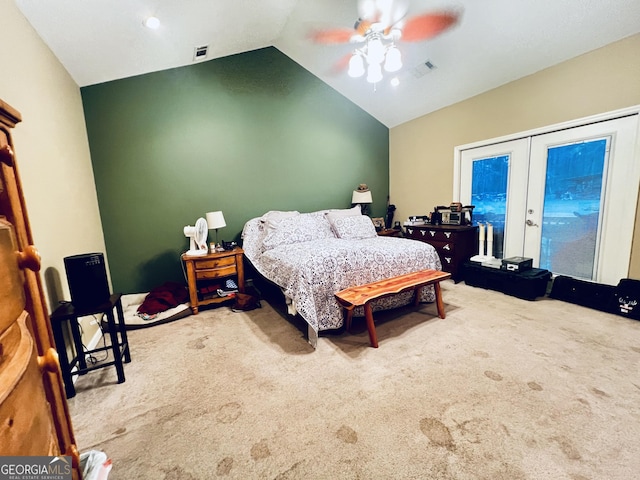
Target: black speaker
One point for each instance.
(87, 277)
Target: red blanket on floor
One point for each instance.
(164, 297)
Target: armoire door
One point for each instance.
(34, 415)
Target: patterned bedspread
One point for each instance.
(311, 272)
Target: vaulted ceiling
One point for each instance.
(495, 41)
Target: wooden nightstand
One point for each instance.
(209, 267)
(390, 232)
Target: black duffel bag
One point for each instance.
(598, 296)
(627, 296)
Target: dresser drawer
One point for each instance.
(216, 272)
(428, 234)
(25, 431)
(215, 263)
(447, 261)
(444, 248)
(415, 233)
(440, 235)
(12, 299)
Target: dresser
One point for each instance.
(454, 244)
(34, 415)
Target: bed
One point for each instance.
(311, 256)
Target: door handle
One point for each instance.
(531, 223)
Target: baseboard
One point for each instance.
(95, 339)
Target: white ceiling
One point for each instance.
(495, 42)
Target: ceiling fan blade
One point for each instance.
(341, 65)
(330, 37)
(429, 25)
(384, 12)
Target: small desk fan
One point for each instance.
(197, 237)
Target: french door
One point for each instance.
(566, 198)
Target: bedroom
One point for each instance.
(142, 243)
(53, 150)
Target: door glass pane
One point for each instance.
(489, 195)
(572, 205)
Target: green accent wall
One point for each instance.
(244, 134)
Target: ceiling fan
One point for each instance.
(380, 25)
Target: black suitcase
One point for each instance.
(527, 285)
(598, 296)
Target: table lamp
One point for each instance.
(215, 220)
(362, 196)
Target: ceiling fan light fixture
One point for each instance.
(374, 73)
(375, 51)
(356, 66)
(393, 59)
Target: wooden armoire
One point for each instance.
(34, 415)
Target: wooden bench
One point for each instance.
(353, 297)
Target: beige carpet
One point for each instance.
(501, 389)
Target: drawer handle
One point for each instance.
(422, 232)
(447, 259)
(29, 258)
(49, 361)
(447, 234)
(410, 231)
(432, 233)
(447, 247)
(6, 155)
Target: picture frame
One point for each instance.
(378, 222)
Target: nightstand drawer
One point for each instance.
(216, 272)
(215, 263)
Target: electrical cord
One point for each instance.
(184, 272)
(91, 358)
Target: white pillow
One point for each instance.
(296, 229)
(345, 211)
(353, 227)
(273, 217)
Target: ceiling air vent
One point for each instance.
(200, 53)
(423, 68)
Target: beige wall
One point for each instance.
(51, 149)
(421, 151)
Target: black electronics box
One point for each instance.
(517, 264)
(527, 285)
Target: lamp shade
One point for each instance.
(215, 220)
(361, 197)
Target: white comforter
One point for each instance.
(311, 272)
